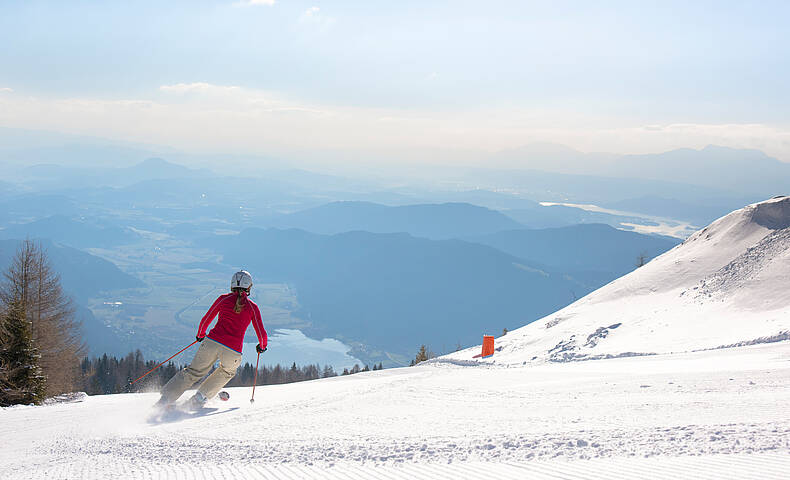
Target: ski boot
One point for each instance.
(197, 401)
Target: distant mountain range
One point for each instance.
(73, 232)
(436, 221)
(37, 205)
(55, 175)
(685, 184)
(744, 172)
(592, 247)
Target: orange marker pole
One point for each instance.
(488, 346)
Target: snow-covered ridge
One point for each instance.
(727, 284)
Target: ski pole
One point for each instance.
(255, 379)
(149, 371)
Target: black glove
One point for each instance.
(259, 349)
(199, 339)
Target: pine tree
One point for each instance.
(265, 375)
(422, 355)
(21, 380)
(311, 372)
(277, 375)
(56, 334)
(293, 374)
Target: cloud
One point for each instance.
(252, 3)
(231, 97)
(6, 90)
(198, 87)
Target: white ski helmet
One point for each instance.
(241, 279)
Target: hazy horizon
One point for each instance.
(54, 144)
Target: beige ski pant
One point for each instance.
(208, 353)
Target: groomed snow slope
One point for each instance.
(728, 284)
(704, 415)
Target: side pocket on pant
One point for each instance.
(229, 362)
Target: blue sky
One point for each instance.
(293, 76)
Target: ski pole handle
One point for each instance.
(149, 371)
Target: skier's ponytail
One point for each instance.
(241, 299)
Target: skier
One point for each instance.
(235, 311)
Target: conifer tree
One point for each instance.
(422, 355)
(293, 374)
(277, 375)
(21, 381)
(57, 335)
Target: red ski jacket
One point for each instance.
(231, 326)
